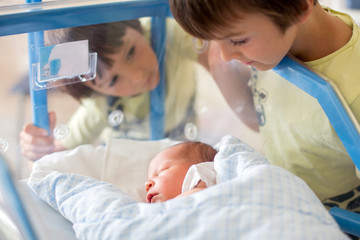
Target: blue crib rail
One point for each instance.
(15, 203)
(340, 116)
(331, 101)
(38, 98)
(38, 16)
(348, 221)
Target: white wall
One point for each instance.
(340, 5)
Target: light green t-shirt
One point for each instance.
(90, 122)
(298, 136)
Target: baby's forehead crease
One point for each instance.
(152, 168)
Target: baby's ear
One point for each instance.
(201, 184)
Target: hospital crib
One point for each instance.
(35, 17)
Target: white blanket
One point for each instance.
(252, 200)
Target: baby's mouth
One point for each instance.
(150, 196)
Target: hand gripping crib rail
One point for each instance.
(340, 116)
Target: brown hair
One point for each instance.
(104, 39)
(197, 152)
(205, 19)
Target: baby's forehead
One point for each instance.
(168, 156)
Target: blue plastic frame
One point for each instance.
(15, 203)
(25, 18)
(348, 221)
(340, 116)
(330, 100)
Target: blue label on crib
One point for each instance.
(64, 60)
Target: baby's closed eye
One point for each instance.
(163, 172)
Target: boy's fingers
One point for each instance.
(32, 139)
(52, 120)
(33, 130)
(35, 148)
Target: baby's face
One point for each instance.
(166, 175)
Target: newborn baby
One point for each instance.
(168, 169)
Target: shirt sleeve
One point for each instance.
(86, 124)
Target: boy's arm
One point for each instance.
(232, 79)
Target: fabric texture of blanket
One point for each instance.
(252, 200)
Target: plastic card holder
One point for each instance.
(63, 64)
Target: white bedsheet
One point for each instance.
(253, 200)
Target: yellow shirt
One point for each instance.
(297, 133)
(91, 119)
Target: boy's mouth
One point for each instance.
(248, 63)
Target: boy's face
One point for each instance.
(166, 175)
(256, 41)
(135, 68)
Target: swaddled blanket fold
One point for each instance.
(252, 200)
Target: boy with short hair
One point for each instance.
(297, 133)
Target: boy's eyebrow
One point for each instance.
(125, 47)
(232, 34)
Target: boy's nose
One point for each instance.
(149, 184)
(229, 54)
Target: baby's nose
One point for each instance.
(148, 184)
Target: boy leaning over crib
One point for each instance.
(297, 133)
(127, 71)
(180, 170)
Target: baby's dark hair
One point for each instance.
(197, 152)
(205, 19)
(104, 39)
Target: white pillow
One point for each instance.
(122, 162)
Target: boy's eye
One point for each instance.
(130, 53)
(113, 80)
(239, 42)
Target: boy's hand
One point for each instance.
(36, 142)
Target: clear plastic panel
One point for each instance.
(114, 101)
(119, 94)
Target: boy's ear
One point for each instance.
(307, 9)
